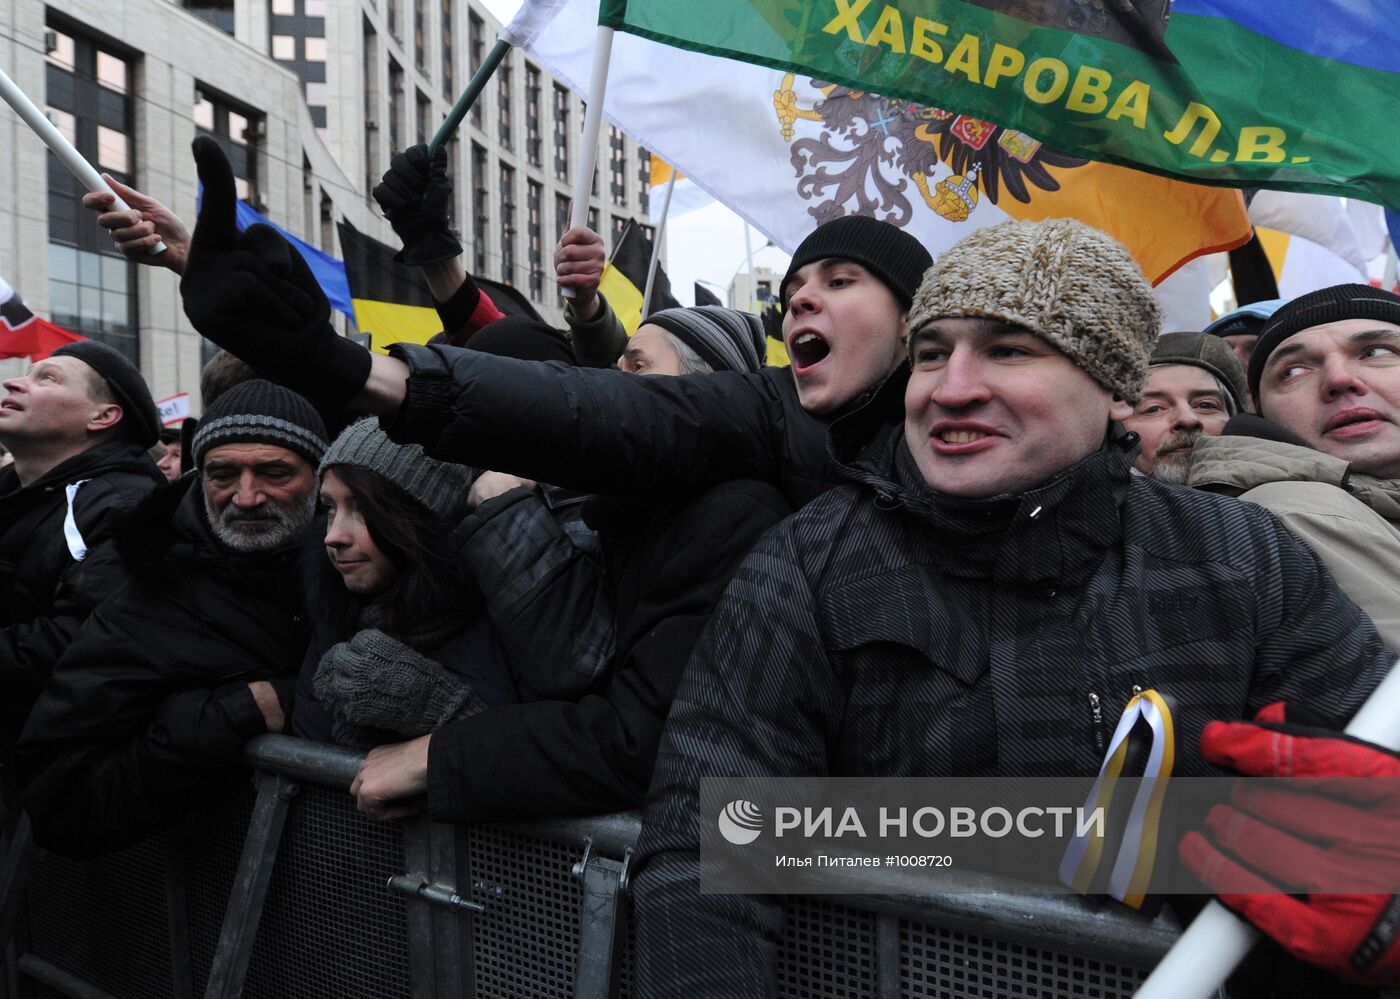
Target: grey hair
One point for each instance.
(691, 362)
(1226, 396)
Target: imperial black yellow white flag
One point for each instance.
(788, 148)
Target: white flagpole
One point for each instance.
(748, 254)
(1218, 940)
(656, 245)
(592, 124)
(63, 149)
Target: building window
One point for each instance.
(420, 34)
(219, 13)
(235, 129)
(617, 165)
(561, 133)
(507, 225)
(286, 8)
(299, 42)
(619, 226)
(561, 226)
(315, 49)
(480, 215)
(644, 181)
(476, 52)
(448, 85)
(534, 231)
(284, 48)
(92, 289)
(391, 17)
(425, 117)
(370, 46)
(593, 219)
(503, 103)
(395, 104)
(533, 138)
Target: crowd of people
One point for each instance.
(538, 572)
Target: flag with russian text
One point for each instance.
(788, 150)
(1293, 94)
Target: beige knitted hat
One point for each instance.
(1071, 284)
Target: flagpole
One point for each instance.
(475, 85)
(656, 245)
(748, 253)
(592, 124)
(62, 148)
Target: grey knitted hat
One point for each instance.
(438, 485)
(728, 340)
(259, 412)
(1071, 284)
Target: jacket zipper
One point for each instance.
(1096, 709)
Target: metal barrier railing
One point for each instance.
(287, 891)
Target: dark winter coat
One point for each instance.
(666, 566)
(148, 710)
(470, 649)
(608, 432)
(46, 591)
(884, 631)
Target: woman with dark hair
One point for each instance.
(401, 643)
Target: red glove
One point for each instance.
(1307, 837)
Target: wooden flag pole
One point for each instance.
(475, 85)
(592, 124)
(62, 148)
(656, 246)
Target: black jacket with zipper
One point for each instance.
(148, 710)
(886, 631)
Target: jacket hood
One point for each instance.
(1237, 464)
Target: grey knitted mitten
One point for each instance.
(375, 682)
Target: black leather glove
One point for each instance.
(415, 195)
(254, 295)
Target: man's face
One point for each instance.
(1180, 404)
(169, 463)
(843, 330)
(1337, 386)
(649, 352)
(1243, 345)
(52, 401)
(993, 409)
(259, 497)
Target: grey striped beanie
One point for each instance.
(727, 340)
(259, 412)
(438, 485)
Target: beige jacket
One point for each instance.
(1351, 521)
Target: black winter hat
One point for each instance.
(522, 338)
(124, 379)
(1329, 305)
(884, 249)
(1201, 350)
(259, 412)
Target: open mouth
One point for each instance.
(7, 404)
(808, 349)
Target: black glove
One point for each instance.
(254, 295)
(415, 195)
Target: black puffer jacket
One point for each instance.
(609, 432)
(883, 631)
(666, 567)
(45, 591)
(149, 708)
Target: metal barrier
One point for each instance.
(283, 889)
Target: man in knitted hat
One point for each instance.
(1326, 376)
(78, 424)
(1194, 385)
(985, 597)
(695, 342)
(149, 708)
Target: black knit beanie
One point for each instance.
(524, 339)
(884, 249)
(726, 339)
(259, 412)
(1329, 305)
(128, 387)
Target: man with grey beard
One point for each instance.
(1194, 385)
(148, 710)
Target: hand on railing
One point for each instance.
(390, 775)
